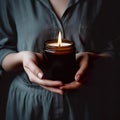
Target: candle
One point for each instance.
(59, 43)
(59, 60)
(62, 44)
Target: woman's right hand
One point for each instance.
(30, 62)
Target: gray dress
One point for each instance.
(25, 25)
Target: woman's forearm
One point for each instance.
(12, 62)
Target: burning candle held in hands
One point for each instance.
(59, 43)
(60, 62)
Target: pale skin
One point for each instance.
(29, 62)
(59, 6)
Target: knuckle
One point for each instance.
(31, 79)
(43, 83)
(35, 71)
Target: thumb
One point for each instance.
(35, 70)
(81, 71)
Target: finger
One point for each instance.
(51, 87)
(71, 86)
(55, 90)
(35, 69)
(44, 82)
(49, 83)
(82, 70)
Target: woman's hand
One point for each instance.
(84, 60)
(30, 62)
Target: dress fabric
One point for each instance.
(31, 102)
(26, 24)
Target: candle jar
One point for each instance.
(59, 61)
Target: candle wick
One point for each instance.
(59, 45)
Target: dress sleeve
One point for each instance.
(8, 42)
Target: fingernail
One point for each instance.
(40, 75)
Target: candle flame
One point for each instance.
(59, 39)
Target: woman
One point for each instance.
(25, 25)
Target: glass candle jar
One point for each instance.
(59, 61)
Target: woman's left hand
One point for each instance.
(84, 60)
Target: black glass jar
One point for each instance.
(59, 61)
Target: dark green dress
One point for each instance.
(24, 26)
